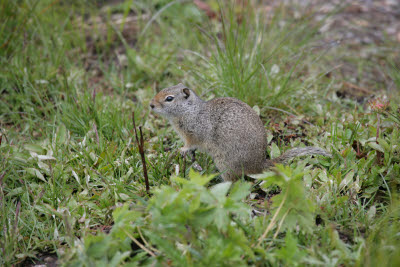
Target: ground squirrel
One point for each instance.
(229, 130)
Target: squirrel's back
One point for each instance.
(229, 130)
(237, 140)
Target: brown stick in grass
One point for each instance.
(140, 146)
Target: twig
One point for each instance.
(141, 152)
(378, 126)
(271, 224)
(279, 228)
(139, 244)
(145, 242)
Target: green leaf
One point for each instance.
(97, 246)
(347, 180)
(290, 253)
(16, 191)
(35, 148)
(199, 179)
(36, 173)
(220, 190)
(118, 258)
(376, 146)
(384, 144)
(61, 134)
(239, 191)
(275, 152)
(179, 180)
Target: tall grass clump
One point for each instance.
(256, 56)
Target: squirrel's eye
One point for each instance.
(169, 98)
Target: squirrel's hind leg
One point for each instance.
(227, 176)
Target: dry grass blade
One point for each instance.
(16, 218)
(140, 145)
(139, 244)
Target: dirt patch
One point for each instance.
(43, 259)
(358, 31)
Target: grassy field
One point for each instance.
(72, 187)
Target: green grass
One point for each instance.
(71, 179)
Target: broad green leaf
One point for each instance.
(376, 146)
(35, 148)
(199, 179)
(384, 144)
(61, 134)
(269, 137)
(118, 258)
(179, 180)
(16, 191)
(220, 190)
(36, 173)
(275, 152)
(239, 191)
(347, 180)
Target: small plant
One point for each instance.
(185, 224)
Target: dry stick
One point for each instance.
(145, 242)
(378, 153)
(141, 152)
(139, 244)
(279, 228)
(377, 128)
(271, 224)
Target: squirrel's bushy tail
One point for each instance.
(297, 152)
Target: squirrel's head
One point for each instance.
(175, 101)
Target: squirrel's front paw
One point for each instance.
(185, 150)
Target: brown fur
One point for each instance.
(226, 128)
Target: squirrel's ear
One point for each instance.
(186, 91)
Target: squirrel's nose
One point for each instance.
(152, 106)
